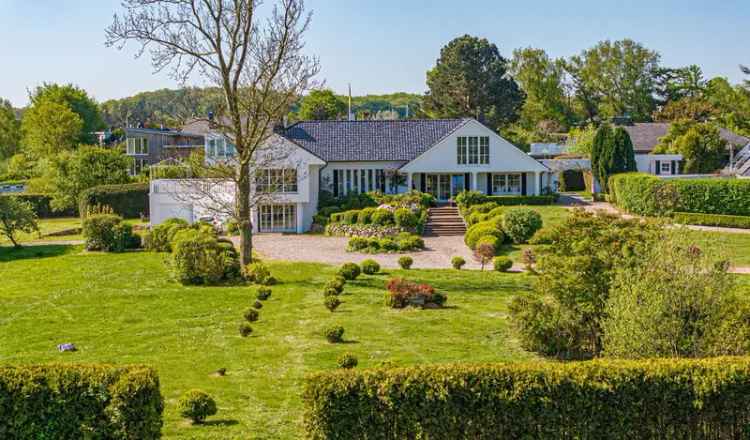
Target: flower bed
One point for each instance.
(402, 293)
(368, 231)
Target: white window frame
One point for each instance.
(137, 146)
(137, 166)
(484, 150)
(277, 218)
(668, 169)
(277, 180)
(461, 150)
(473, 142)
(502, 183)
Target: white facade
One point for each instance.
(472, 157)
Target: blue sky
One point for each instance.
(379, 46)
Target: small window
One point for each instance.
(461, 150)
(666, 168)
(348, 181)
(473, 151)
(211, 148)
(499, 184)
(484, 150)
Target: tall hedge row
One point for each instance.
(40, 203)
(666, 399)
(59, 401)
(127, 200)
(649, 195)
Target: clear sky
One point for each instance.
(379, 46)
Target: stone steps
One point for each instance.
(444, 221)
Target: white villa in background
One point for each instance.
(440, 157)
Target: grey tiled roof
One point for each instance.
(396, 140)
(646, 135)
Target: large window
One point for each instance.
(218, 147)
(137, 146)
(276, 180)
(473, 150)
(506, 184)
(278, 218)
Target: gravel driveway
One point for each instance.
(332, 250)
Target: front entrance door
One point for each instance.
(458, 184)
(445, 187)
(277, 218)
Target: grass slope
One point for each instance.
(123, 309)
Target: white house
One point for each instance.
(442, 157)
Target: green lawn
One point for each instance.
(56, 226)
(124, 309)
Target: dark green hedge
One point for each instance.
(726, 221)
(41, 205)
(128, 200)
(522, 200)
(649, 195)
(61, 401)
(665, 399)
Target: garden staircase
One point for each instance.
(742, 162)
(444, 221)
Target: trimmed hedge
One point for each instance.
(645, 194)
(128, 200)
(79, 401)
(669, 399)
(40, 203)
(726, 221)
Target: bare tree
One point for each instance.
(257, 63)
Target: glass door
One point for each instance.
(444, 192)
(458, 185)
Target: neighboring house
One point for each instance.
(645, 136)
(440, 157)
(149, 146)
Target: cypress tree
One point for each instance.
(601, 154)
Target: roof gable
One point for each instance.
(371, 140)
(645, 135)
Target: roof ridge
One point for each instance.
(380, 120)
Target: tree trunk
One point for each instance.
(243, 212)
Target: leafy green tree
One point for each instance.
(10, 130)
(471, 79)
(77, 100)
(614, 79)
(49, 128)
(611, 153)
(563, 316)
(581, 140)
(72, 172)
(732, 104)
(676, 84)
(676, 302)
(16, 216)
(690, 108)
(541, 79)
(700, 144)
(321, 105)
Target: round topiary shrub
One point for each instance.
(347, 361)
(245, 330)
(334, 334)
(409, 242)
(405, 218)
(370, 267)
(544, 236)
(388, 244)
(196, 405)
(502, 264)
(357, 244)
(405, 262)
(520, 224)
(264, 293)
(251, 315)
(383, 217)
(257, 272)
(458, 262)
(490, 240)
(258, 305)
(350, 217)
(336, 285)
(331, 303)
(474, 233)
(330, 291)
(349, 271)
